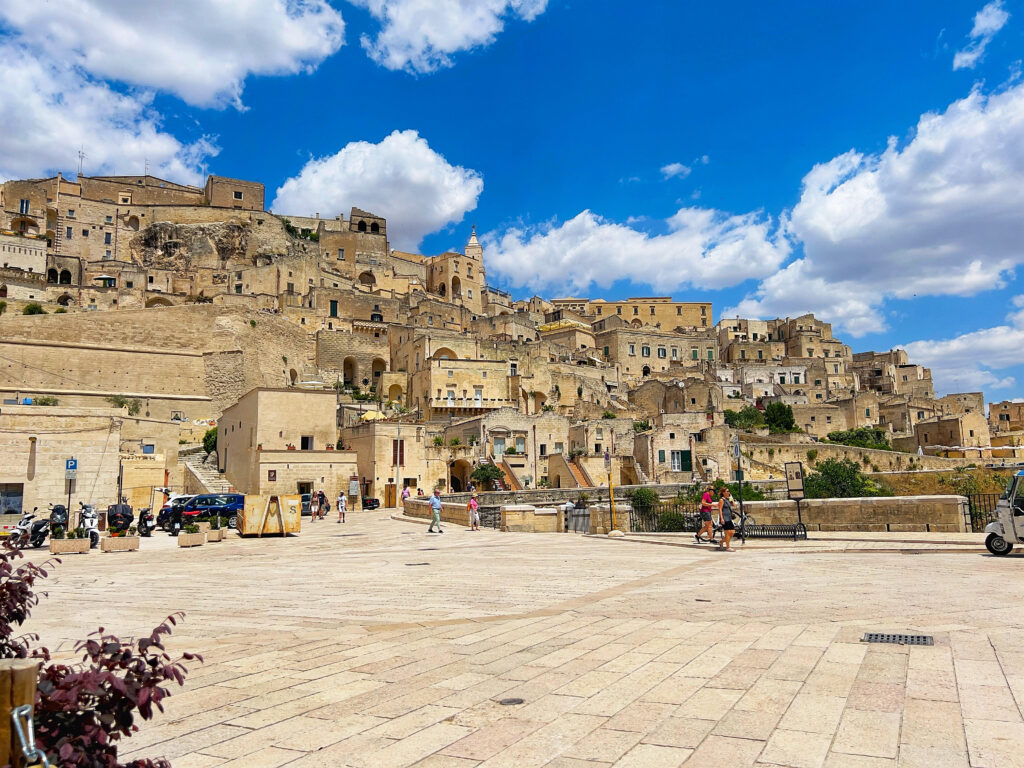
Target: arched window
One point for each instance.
(65, 277)
(375, 227)
(51, 276)
(361, 226)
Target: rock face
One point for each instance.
(217, 245)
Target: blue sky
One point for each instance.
(864, 161)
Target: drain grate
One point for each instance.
(880, 637)
(417, 563)
(510, 702)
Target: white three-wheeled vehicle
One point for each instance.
(1008, 528)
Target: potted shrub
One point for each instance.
(191, 536)
(121, 541)
(69, 544)
(216, 531)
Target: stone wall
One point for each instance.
(525, 518)
(891, 513)
(451, 511)
(774, 456)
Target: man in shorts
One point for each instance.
(707, 523)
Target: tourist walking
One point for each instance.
(474, 513)
(725, 517)
(435, 509)
(322, 497)
(314, 507)
(406, 493)
(342, 506)
(707, 523)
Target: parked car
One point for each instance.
(370, 503)
(209, 504)
(306, 497)
(177, 501)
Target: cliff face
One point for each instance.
(218, 245)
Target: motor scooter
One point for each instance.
(22, 533)
(146, 521)
(58, 520)
(119, 517)
(90, 522)
(1008, 527)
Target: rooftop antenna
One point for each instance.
(146, 172)
(81, 158)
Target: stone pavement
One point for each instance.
(375, 644)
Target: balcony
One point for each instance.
(440, 403)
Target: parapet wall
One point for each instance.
(887, 513)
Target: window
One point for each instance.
(107, 238)
(238, 288)
(662, 352)
(817, 396)
(148, 448)
(711, 354)
(469, 293)
(238, 195)
(920, 415)
(150, 280)
(743, 354)
(599, 310)
(129, 284)
(703, 310)
(334, 308)
(618, 310)
(109, 219)
(677, 461)
(521, 445)
(85, 233)
(760, 354)
(23, 206)
(693, 354)
(513, 369)
(652, 310)
(632, 349)
(606, 351)
(559, 448)
(71, 213)
(972, 433)
(108, 255)
(290, 287)
(675, 353)
(645, 351)
(704, 322)
(398, 453)
(817, 382)
(867, 413)
(451, 374)
(306, 443)
(671, 435)
(543, 448)
(68, 233)
(661, 457)
(679, 310)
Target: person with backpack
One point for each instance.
(474, 513)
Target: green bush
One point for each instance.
(486, 474)
(210, 440)
(33, 308)
(672, 521)
(837, 479)
(812, 455)
(133, 404)
(455, 442)
(608, 415)
(862, 437)
(641, 426)
(748, 417)
(643, 498)
(779, 418)
(45, 400)
(3, 307)
(60, 311)
(438, 441)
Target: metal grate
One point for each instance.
(880, 637)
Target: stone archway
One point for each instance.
(456, 288)
(395, 393)
(367, 278)
(460, 469)
(158, 301)
(133, 223)
(52, 276)
(65, 299)
(65, 277)
(646, 370)
(377, 368)
(445, 354)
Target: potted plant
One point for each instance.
(121, 541)
(71, 543)
(216, 531)
(191, 536)
(204, 525)
(290, 446)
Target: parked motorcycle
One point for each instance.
(90, 522)
(22, 533)
(58, 521)
(146, 521)
(119, 517)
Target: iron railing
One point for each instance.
(577, 520)
(981, 511)
(685, 518)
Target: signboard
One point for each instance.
(736, 449)
(271, 475)
(353, 486)
(70, 469)
(795, 479)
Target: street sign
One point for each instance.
(795, 479)
(736, 449)
(70, 469)
(607, 460)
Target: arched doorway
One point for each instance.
(395, 393)
(293, 376)
(377, 368)
(65, 277)
(349, 370)
(64, 300)
(647, 370)
(133, 223)
(375, 228)
(456, 288)
(158, 301)
(367, 278)
(361, 226)
(445, 354)
(460, 471)
(442, 289)
(51, 276)
(637, 324)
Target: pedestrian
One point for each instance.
(323, 501)
(725, 520)
(419, 492)
(435, 509)
(314, 507)
(406, 493)
(474, 513)
(342, 506)
(707, 523)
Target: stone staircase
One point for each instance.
(206, 474)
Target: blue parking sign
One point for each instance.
(71, 464)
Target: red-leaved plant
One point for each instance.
(82, 711)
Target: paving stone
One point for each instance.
(796, 749)
(865, 732)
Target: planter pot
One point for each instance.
(191, 539)
(119, 544)
(69, 546)
(203, 527)
(215, 534)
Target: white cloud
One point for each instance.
(987, 22)
(703, 248)
(401, 178)
(940, 215)
(673, 170)
(199, 50)
(58, 110)
(420, 35)
(973, 361)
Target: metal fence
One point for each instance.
(981, 511)
(490, 517)
(685, 518)
(577, 520)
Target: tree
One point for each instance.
(779, 417)
(643, 499)
(747, 417)
(839, 479)
(210, 440)
(486, 474)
